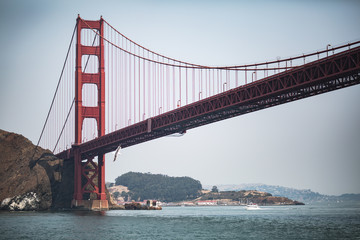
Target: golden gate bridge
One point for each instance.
(114, 92)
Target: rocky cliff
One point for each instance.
(29, 172)
(32, 178)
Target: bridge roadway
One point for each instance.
(324, 75)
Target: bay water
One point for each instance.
(312, 221)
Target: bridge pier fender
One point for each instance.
(97, 205)
(91, 205)
(77, 203)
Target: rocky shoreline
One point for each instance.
(32, 178)
(244, 197)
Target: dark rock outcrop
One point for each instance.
(27, 171)
(26, 202)
(138, 206)
(30, 169)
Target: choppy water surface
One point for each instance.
(334, 221)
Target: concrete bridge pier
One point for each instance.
(91, 205)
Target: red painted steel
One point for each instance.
(82, 112)
(163, 97)
(328, 74)
(131, 99)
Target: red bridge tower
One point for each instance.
(82, 169)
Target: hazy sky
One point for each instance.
(312, 143)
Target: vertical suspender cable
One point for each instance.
(206, 85)
(179, 86)
(134, 87)
(129, 87)
(149, 87)
(143, 85)
(139, 83)
(186, 85)
(193, 85)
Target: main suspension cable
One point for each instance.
(232, 68)
(57, 87)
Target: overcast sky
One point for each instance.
(312, 143)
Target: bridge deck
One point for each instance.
(331, 73)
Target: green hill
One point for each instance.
(144, 186)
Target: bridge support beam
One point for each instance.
(90, 173)
(77, 175)
(101, 174)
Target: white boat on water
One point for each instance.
(252, 206)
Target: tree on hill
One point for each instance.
(161, 187)
(116, 195)
(214, 189)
